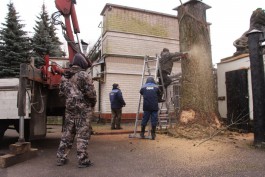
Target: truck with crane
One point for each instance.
(34, 96)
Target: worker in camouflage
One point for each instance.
(166, 63)
(78, 89)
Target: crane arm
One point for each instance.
(67, 9)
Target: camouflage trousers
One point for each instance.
(79, 127)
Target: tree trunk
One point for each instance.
(198, 93)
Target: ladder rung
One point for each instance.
(151, 68)
(163, 113)
(164, 127)
(163, 121)
(164, 124)
(163, 117)
(148, 75)
(152, 59)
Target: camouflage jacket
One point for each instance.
(78, 89)
(167, 59)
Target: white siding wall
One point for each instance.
(127, 72)
(129, 85)
(222, 68)
(128, 44)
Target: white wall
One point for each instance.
(8, 99)
(231, 65)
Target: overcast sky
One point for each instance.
(229, 18)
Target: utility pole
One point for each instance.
(258, 84)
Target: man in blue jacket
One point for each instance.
(117, 102)
(150, 92)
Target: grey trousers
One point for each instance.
(116, 118)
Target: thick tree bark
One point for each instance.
(198, 93)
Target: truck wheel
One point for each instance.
(3, 128)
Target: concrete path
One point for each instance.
(117, 155)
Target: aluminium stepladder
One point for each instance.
(150, 68)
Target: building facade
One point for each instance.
(235, 99)
(128, 35)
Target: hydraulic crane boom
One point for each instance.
(67, 9)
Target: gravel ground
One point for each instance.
(118, 155)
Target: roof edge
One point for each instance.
(107, 5)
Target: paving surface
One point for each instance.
(116, 155)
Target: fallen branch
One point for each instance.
(222, 129)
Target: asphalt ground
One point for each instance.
(114, 154)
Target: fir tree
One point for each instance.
(57, 51)
(14, 46)
(45, 40)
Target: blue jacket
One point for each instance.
(116, 99)
(150, 92)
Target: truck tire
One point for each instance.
(3, 128)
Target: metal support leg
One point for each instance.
(21, 138)
(22, 102)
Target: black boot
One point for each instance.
(118, 127)
(160, 97)
(142, 132)
(153, 132)
(160, 100)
